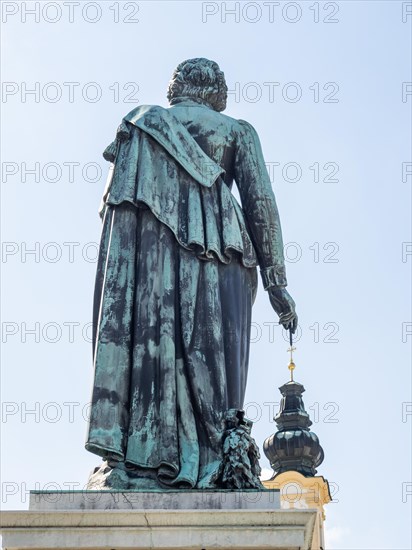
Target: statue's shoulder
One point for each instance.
(246, 127)
(235, 127)
(246, 133)
(145, 111)
(239, 126)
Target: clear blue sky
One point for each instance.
(322, 84)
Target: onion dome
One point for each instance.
(293, 446)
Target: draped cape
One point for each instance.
(158, 163)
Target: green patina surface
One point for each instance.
(175, 284)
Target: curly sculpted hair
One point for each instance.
(199, 79)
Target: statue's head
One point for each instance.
(199, 79)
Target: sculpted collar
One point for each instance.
(191, 101)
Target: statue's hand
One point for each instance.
(282, 302)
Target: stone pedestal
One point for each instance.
(184, 520)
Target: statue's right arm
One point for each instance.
(259, 205)
(262, 216)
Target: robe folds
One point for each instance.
(176, 280)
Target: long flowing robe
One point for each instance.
(175, 284)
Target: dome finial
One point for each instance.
(291, 349)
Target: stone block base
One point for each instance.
(158, 529)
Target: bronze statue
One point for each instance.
(176, 281)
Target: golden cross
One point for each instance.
(291, 349)
(291, 365)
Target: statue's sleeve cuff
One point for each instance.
(273, 276)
